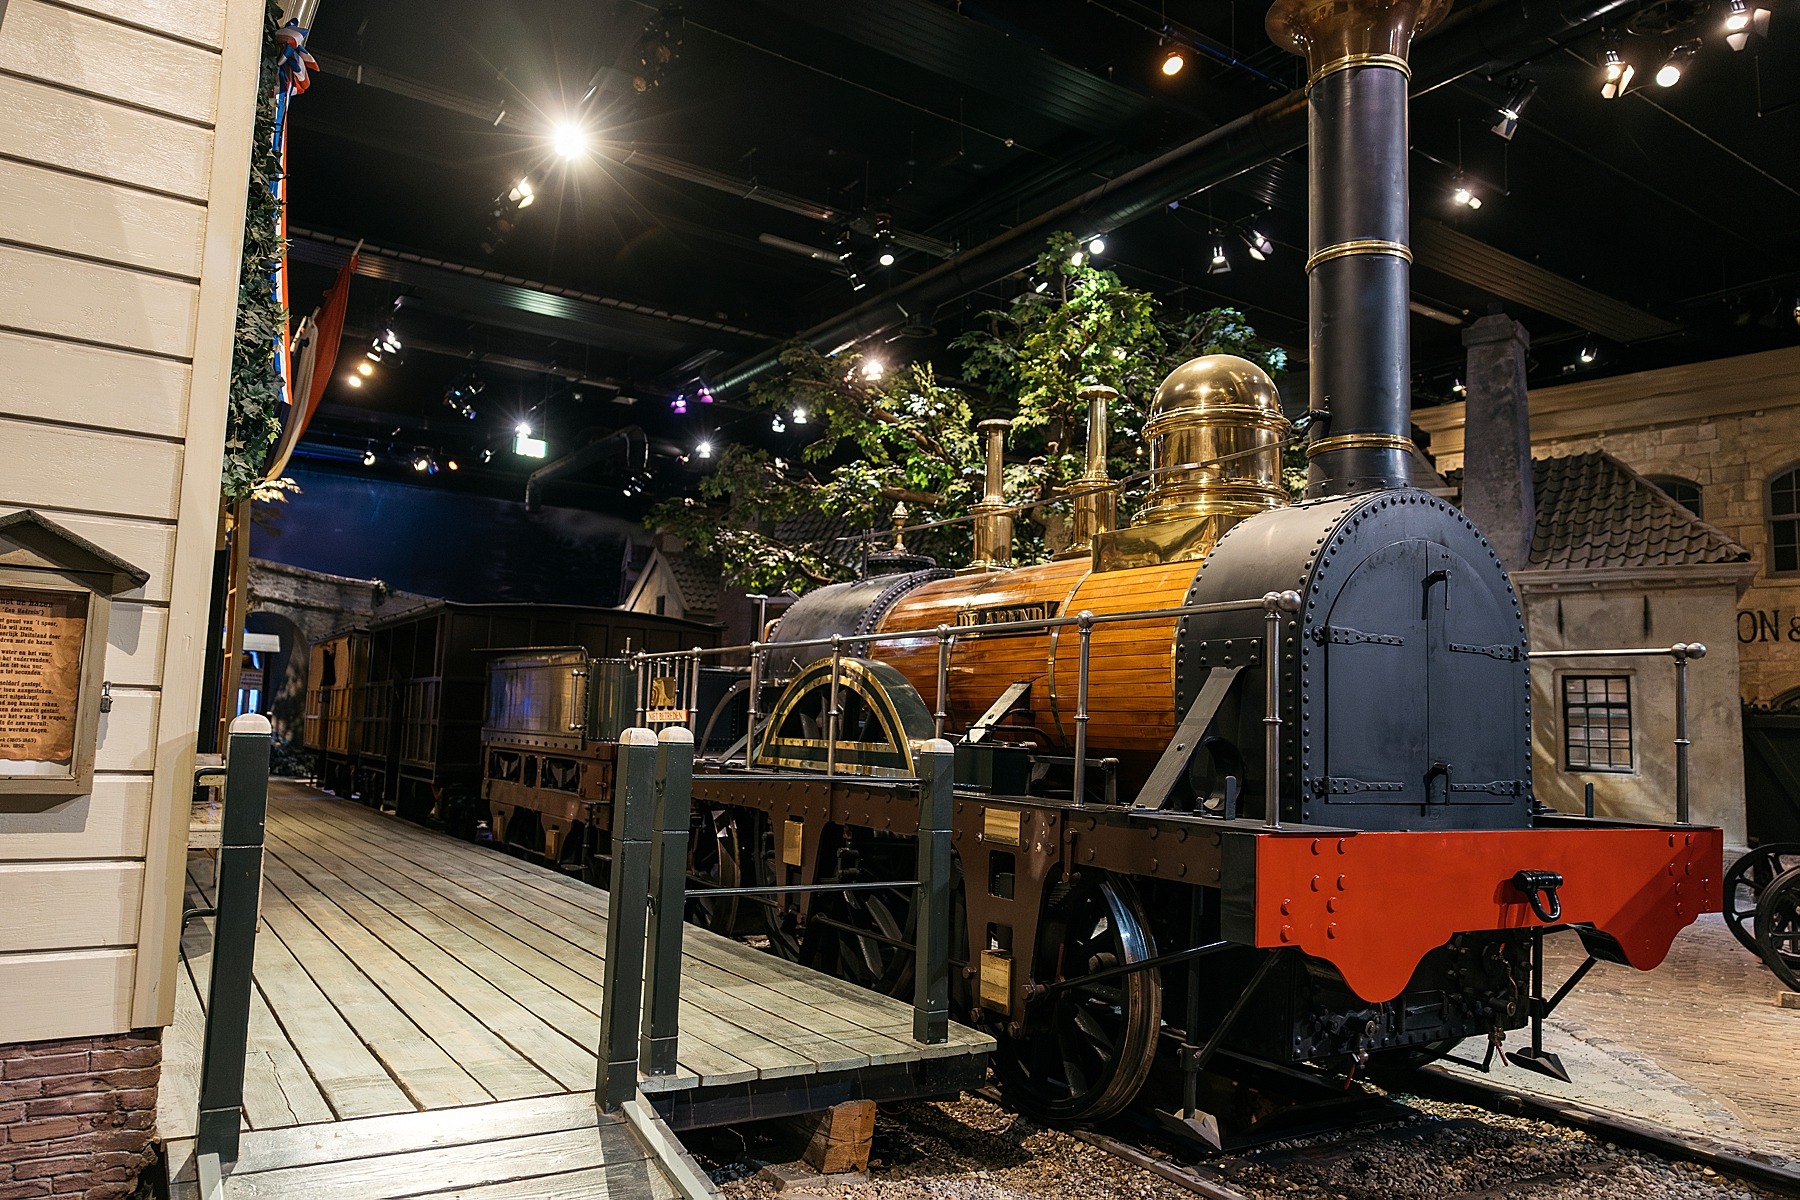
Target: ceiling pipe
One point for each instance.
(1492, 31)
(630, 441)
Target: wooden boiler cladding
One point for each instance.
(1131, 670)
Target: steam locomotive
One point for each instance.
(1246, 777)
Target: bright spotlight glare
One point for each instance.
(887, 258)
(368, 458)
(704, 449)
(873, 368)
(799, 415)
(1173, 61)
(354, 381)
(1097, 245)
(365, 367)
(571, 140)
(1668, 75)
(523, 429)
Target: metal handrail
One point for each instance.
(1681, 653)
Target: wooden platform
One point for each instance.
(401, 972)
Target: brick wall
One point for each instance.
(76, 1115)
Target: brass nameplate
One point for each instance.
(664, 690)
(996, 980)
(1001, 825)
(793, 838)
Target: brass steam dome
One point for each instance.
(1214, 428)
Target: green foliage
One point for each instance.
(908, 438)
(251, 426)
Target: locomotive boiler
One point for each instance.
(1245, 779)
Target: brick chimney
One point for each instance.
(1497, 493)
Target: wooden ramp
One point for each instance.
(401, 973)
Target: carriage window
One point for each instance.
(1684, 492)
(1597, 722)
(1784, 522)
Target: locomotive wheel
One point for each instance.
(871, 959)
(778, 922)
(1778, 927)
(1745, 883)
(717, 858)
(1087, 1049)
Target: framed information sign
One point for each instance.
(56, 594)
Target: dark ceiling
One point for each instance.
(1658, 228)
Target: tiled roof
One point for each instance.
(698, 579)
(1593, 511)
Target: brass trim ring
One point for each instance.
(1359, 60)
(1360, 441)
(1359, 246)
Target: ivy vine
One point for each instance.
(251, 426)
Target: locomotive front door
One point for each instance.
(1424, 715)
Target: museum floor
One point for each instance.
(1699, 1044)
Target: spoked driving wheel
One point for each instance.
(1778, 927)
(869, 936)
(1087, 1046)
(716, 854)
(1746, 881)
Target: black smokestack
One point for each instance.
(1359, 264)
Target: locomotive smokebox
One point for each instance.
(1359, 264)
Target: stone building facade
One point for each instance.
(1729, 428)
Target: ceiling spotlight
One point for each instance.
(873, 368)
(1260, 246)
(678, 406)
(373, 355)
(522, 193)
(1517, 97)
(1077, 258)
(1043, 285)
(365, 367)
(387, 342)
(1097, 245)
(1220, 265)
(354, 381)
(452, 465)
(487, 456)
(704, 449)
(1669, 74)
(421, 463)
(887, 258)
(799, 414)
(1743, 21)
(1174, 58)
(1459, 388)
(570, 140)
(777, 424)
(523, 429)
(1464, 195)
(1590, 350)
(1615, 74)
(368, 458)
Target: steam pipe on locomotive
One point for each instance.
(1317, 716)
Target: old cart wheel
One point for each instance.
(1745, 882)
(1087, 1049)
(1778, 927)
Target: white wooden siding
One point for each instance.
(70, 905)
(201, 24)
(67, 993)
(104, 141)
(93, 302)
(104, 58)
(107, 823)
(121, 220)
(116, 389)
(57, 211)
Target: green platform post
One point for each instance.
(668, 900)
(634, 799)
(931, 976)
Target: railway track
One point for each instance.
(1368, 1161)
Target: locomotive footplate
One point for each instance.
(1373, 905)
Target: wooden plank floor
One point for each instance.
(400, 972)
